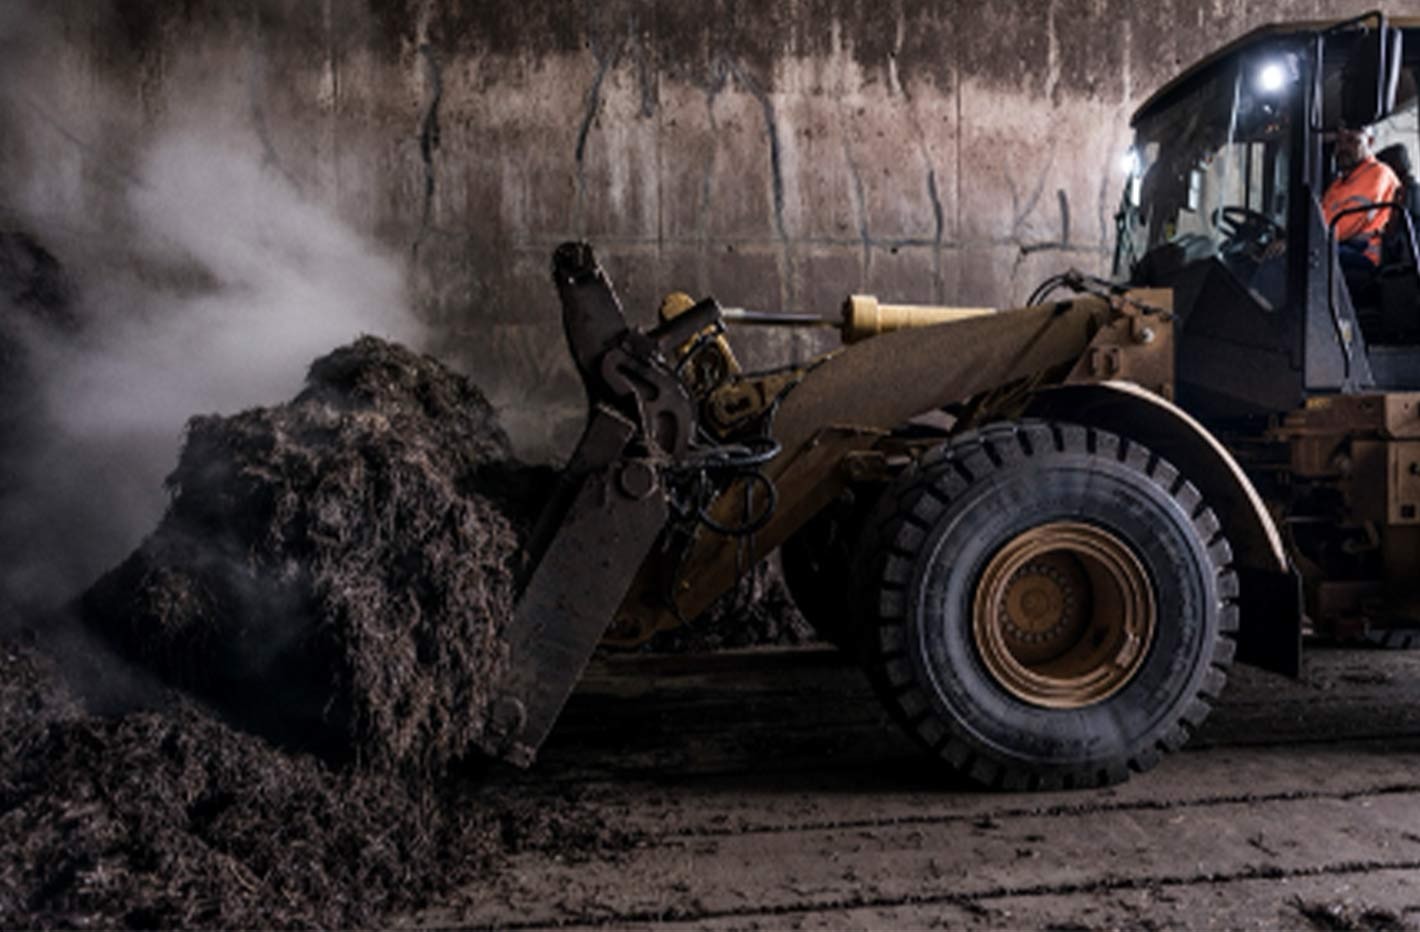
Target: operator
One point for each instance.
(1361, 180)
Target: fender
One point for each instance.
(1270, 600)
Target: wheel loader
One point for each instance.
(1045, 532)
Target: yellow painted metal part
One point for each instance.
(864, 316)
(847, 402)
(714, 363)
(1159, 424)
(1064, 615)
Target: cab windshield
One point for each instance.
(1209, 173)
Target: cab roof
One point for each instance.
(1257, 37)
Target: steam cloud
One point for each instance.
(204, 281)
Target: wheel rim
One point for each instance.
(1064, 615)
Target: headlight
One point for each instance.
(1272, 77)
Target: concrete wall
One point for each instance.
(774, 154)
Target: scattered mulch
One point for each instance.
(758, 611)
(333, 573)
(1345, 916)
(171, 818)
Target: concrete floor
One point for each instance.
(767, 791)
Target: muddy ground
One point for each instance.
(768, 792)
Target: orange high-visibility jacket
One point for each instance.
(1368, 182)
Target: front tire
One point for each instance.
(1048, 606)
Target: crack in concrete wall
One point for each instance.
(860, 209)
(606, 61)
(712, 88)
(1020, 213)
(1052, 55)
(97, 158)
(771, 129)
(647, 78)
(257, 93)
(934, 197)
(430, 137)
(788, 288)
(938, 231)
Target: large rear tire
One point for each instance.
(1048, 606)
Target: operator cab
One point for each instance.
(1223, 204)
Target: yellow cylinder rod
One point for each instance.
(864, 317)
(708, 376)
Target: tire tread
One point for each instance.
(899, 525)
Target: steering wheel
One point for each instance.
(1246, 230)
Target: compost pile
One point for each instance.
(332, 572)
(310, 634)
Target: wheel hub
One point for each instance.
(1041, 603)
(1063, 615)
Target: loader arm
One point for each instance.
(592, 559)
(846, 402)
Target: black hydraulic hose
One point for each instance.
(753, 523)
